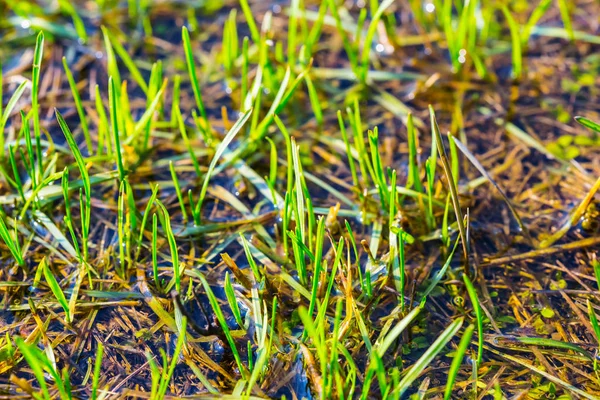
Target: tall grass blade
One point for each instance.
(223, 322)
(458, 360)
(478, 315)
(452, 187)
(218, 153)
(191, 65)
(436, 347)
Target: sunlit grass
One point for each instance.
(263, 206)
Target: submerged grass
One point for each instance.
(241, 200)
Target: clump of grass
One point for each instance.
(223, 211)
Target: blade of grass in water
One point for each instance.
(168, 373)
(220, 150)
(191, 65)
(186, 141)
(111, 61)
(478, 315)
(223, 322)
(316, 338)
(436, 347)
(458, 360)
(149, 205)
(97, 369)
(154, 250)
(390, 338)
(351, 51)
(440, 274)
(150, 110)
(314, 100)
(56, 233)
(114, 117)
(292, 32)
(558, 32)
(231, 299)
(30, 354)
(593, 320)
(56, 290)
(525, 341)
(69, 8)
(520, 134)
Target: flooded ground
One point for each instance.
(272, 209)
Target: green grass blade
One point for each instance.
(517, 54)
(111, 61)
(30, 353)
(4, 115)
(218, 153)
(414, 178)
(97, 369)
(588, 123)
(35, 83)
(114, 117)
(250, 21)
(368, 42)
(563, 6)
(384, 344)
(172, 245)
(457, 360)
(232, 300)
(178, 190)
(223, 322)
(593, 320)
(82, 170)
(478, 315)
(11, 243)
(127, 60)
(436, 347)
(69, 8)
(168, 374)
(535, 16)
(56, 290)
(191, 65)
